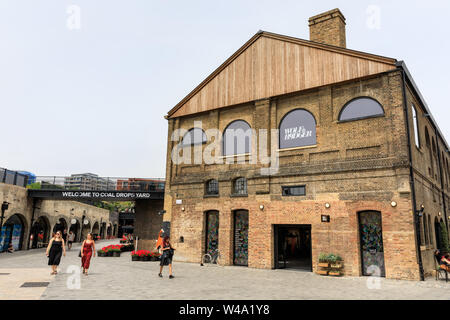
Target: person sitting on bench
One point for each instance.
(445, 262)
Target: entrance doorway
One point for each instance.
(293, 247)
(40, 232)
(371, 241)
(240, 256)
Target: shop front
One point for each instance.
(293, 247)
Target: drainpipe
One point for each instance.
(411, 177)
(442, 177)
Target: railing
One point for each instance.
(13, 177)
(88, 182)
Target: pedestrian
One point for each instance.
(71, 239)
(64, 235)
(55, 249)
(10, 248)
(87, 250)
(166, 258)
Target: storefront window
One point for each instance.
(297, 129)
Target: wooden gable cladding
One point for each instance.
(270, 65)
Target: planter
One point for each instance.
(146, 258)
(135, 258)
(324, 264)
(322, 272)
(337, 265)
(109, 254)
(101, 254)
(116, 254)
(335, 273)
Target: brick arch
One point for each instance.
(25, 227)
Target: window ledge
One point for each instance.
(298, 148)
(234, 195)
(211, 196)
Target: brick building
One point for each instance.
(353, 131)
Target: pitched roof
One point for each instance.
(270, 64)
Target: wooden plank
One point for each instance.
(271, 66)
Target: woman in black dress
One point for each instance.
(166, 258)
(55, 249)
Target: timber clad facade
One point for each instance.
(354, 170)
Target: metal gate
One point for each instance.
(371, 241)
(241, 238)
(212, 231)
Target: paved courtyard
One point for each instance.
(120, 278)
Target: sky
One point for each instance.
(85, 85)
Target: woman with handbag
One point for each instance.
(87, 250)
(166, 258)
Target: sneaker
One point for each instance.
(171, 277)
(160, 275)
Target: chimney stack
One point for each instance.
(328, 28)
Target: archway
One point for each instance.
(60, 225)
(75, 228)
(40, 232)
(13, 232)
(95, 230)
(109, 231)
(115, 230)
(85, 229)
(102, 230)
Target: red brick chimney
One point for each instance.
(328, 28)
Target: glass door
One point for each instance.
(212, 232)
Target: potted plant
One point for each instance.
(336, 262)
(100, 253)
(115, 252)
(323, 260)
(134, 256)
(146, 255)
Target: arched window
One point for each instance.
(212, 187)
(194, 136)
(240, 186)
(361, 108)
(430, 230)
(425, 228)
(416, 126)
(297, 129)
(237, 138)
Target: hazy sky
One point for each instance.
(93, 98)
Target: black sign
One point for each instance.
(96, 195)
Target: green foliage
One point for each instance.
(323, 257)
(116, 206)
(332, 258)
(444, 237)
(34, 186)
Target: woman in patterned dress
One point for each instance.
(87, 250)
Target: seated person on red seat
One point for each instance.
(445, 262)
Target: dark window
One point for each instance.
(237, 138)
(240, 186)
(361, 108)
(294, 191)
(212, 187)
(194, 136)
(297, 129)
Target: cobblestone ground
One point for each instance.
(120, 278)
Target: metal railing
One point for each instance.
(90, 182)
(13, 177)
